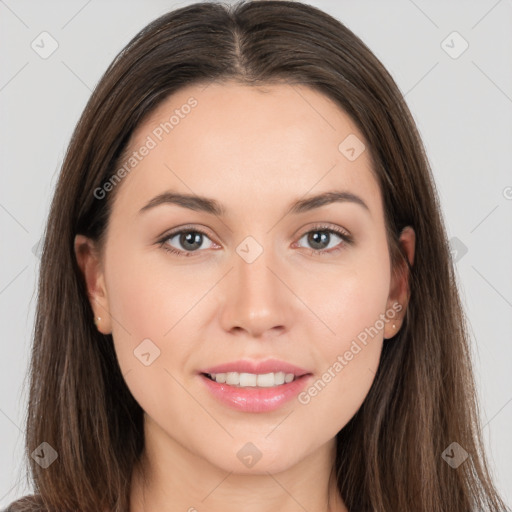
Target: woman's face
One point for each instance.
(252, 287)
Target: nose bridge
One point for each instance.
(256, 299)
(254, 279)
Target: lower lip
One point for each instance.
(252, 399)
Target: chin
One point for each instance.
(247, 459)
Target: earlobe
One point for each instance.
(400, 284)
(89, 262)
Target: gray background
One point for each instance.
(463, 107)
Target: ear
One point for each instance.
(89, 261)
(399, 288)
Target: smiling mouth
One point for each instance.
(255, 392)
(244, 380)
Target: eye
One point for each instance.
(322, 239)
(187, 240)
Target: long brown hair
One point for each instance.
(389, 455)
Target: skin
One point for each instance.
(255, 150)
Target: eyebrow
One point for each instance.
(213, 207)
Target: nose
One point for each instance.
(257, 300)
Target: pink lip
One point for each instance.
(252, 399)
(248, 366)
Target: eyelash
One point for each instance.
(346, 240)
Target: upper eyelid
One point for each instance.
(316, 227)
(181, 229)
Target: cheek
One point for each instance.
(151, 304)
(350, 301)
(147, 299)
(352, 305)
(147, 294)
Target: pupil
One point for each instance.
(318, 238)
(192, 237)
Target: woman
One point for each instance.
(246, 297)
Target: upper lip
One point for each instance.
(257, 367)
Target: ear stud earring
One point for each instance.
(97, 320)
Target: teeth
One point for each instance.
(242, 380)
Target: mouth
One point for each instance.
(253, 380)
(254, 393)
(249, 385)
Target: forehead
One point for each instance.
(235, 142)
